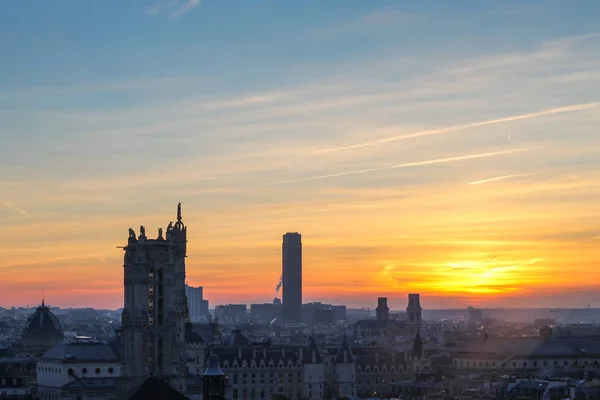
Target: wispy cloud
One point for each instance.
(186, 7)
(408, 165)
(544, 113)
(174, 7)
(501, 178)
(102, 259)
(17, 209)
(378, 19)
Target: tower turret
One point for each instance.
(382, 311)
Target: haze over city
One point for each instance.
(442, 148)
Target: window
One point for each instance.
(151, 275)
(150, 320)
(110, 370)
(70, 371)
(150, 290)
(84, 370)
(97, 370)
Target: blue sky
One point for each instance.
(359, 123)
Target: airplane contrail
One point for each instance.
(500, 178)
(407, 165)
(103, 260)
(17, 209)
(54, 259)
(551, 111)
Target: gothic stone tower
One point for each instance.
(413, 312)
(155, 307)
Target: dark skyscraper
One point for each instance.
(292, 277)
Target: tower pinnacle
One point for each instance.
(179, 212)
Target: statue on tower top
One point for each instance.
(132, 234)
(142, 231)
(179, 224)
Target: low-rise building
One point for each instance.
(78, 370)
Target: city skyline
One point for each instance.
(449, 151)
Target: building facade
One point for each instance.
(16, 376)
(292, 277)
(255, 372)
(78, 370)
(155, 306)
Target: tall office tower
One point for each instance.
(292, 277)
(198, 307)
(382, 310)
(155, 309)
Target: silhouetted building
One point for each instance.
(382, 310)
(325, 314)
(155, 309)
(152, 387)
(16, 375)
(231, 313)
(198, 307)
(267, 312)
(292, 277)
(43, 330)
(414, 313)
(475, 318)
(292, 372)
(383, 327)
(79, 369)
(339, 313)
(214, 380)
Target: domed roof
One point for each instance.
(213, 368)
(42, 320)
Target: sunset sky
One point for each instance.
(446, 148)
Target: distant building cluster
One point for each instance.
(166, 344)
(197, 305)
